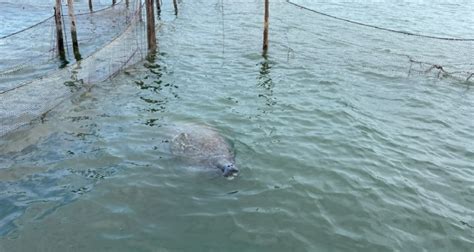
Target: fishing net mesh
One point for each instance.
(112, 37)
(31, 80)
(385, 49)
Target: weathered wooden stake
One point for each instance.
(90, 6)
(127, 3)
(175, 4)
(140, 11)
(75, 45)
(59, 30)
(114, 2)
(265, 27)
(150, 25)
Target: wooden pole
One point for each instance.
(175, 4)
(265, 27)
(158, 7)
(75, 45)
(150, 25)
(140, 11)
(59, 30)
(90, 6)
(114, 2)
(127, 3)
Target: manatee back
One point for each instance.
(200, 143)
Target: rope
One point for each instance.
(377, 27)
(30, 61)
(27, 28)
(46, 19)
(91, 12)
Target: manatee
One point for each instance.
(203, 145)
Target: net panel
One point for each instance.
(109, 41)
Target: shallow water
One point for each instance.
(342, 143)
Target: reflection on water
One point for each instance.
(156, 91)
(265, 82)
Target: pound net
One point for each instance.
(398, 45)
(33, 80)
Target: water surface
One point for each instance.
(342, 142)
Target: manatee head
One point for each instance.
(228, 169)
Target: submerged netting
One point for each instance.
(381, 49)
(31, 52)
(111, 37)
(31, 82)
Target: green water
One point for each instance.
(342, 144)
